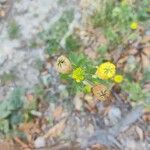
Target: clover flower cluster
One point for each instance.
(105, 71)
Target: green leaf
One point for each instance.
(72, 43)
(15, 102)
(16, 118)
(4, 112)
(4, 126)
(147, 76)
(73, 58)
(134, 90)
(103, 49)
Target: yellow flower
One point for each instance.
(134, 25)
(118, 78)
(78, 74)
(63, 65)
(106, 71)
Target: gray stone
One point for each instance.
(3, 1)
(2, 59)
(46, 79)
(114, 115)
(147, 32)
(39, 142)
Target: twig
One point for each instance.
(24, 146)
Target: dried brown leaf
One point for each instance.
(90, 109)
(98, 147)
(30, 97)
(21, 143)
(92, 54)
(8, 145)
(102, 40)
(25, 127)
(90, 101)
(30, 129)
(146, 57)
(132, 51)
(146, 115)
(56, 130)
(121, 61)
(146, 39)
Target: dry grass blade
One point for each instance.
(56, 130)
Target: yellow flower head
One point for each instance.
(106, 70)
(118, 78)
(134, 25)
(78, 74)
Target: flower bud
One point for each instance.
(63, 65)
(101, 92)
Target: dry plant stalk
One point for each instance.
(56, 130)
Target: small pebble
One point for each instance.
(39, 142)
(3, 1)
(114, 115)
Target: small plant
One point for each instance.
(10, 115)
(13, 30)
(53, 36)
(14, 111)
(39, 90)
(85, 76)
(118, 19)
(33, 44)
(135, 92)
(72, 43)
